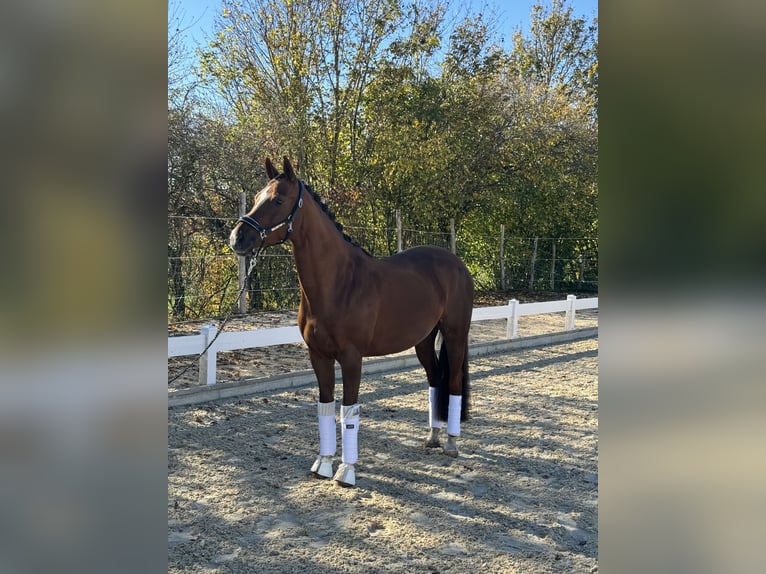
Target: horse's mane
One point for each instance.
(331, 215)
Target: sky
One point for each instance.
(198, 16)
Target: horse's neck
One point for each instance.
(321, 254)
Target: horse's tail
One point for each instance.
(442, 390)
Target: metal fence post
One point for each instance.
(502, 257)
(242, 272)
(553, 265)
(532, 265)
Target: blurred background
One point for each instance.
(682, 312)
(82, 229)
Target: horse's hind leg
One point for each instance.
(324, 368)
(351, 366)
(427, 357)
(456, 342)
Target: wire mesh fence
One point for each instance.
(549, 264)
(204, 279)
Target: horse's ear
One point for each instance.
(271, 171)
(287, 167)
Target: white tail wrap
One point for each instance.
(349, 424)
(433, 415)
(328, 440)
(453, 420)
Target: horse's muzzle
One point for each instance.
(235, 242)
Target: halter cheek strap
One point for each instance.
(265, 231)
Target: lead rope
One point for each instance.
(225, 320)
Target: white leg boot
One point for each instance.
(349, 421)
(328, 440)
(453, 424)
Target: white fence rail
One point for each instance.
(236, 340)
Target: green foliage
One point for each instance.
(382, 114)
(560, 53)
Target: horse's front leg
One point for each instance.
(324, 368)
(351, 366)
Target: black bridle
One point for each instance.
(264, 231)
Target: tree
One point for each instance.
(560, 52)
(300, 69)
(209, 162)
(383, 114)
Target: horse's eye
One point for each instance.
(279, 201)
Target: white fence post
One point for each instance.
(512, 324)
(569, 319)
(207, 362)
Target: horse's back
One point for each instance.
(437, 265)
(428, 256)
(426, 281)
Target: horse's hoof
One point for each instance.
(322, 467)
(345, 476)
(450, 449)
(433, 439)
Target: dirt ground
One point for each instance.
(522, 496)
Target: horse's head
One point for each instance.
(270, 221)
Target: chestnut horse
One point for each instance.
(354, 305)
